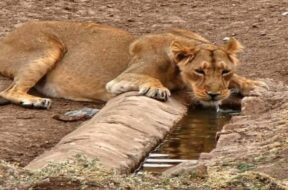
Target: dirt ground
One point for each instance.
(26, 133)
(259, 24)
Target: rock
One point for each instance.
(77, 115)
(174, 19)
(90, 112)
(285, 13)
(253, 105)
(263, 33)
(131, 20)
(255, 25)
(189, 168)
(91, 12)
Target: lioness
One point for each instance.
(89, 62)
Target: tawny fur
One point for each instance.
(91, 62)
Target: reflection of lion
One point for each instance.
(75, 61)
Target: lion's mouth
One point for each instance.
(210, 99)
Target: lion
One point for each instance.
(85, 61)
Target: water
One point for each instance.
(194, 134)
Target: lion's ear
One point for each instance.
(232, 46)
(180, 51)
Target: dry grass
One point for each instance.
(90, 174)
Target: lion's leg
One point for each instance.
(147, 73)
(246, 86)
(28, 74)
(145, 84)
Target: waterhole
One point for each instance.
(194, 134)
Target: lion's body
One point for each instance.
(91, 55)
(75, 61)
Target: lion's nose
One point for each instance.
(213, 95)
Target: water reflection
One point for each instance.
(194, 134)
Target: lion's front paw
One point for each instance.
(159, 93)
(118, 87)
(254, 88)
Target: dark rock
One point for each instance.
(77, 115)
(263, 33)
(131, 20)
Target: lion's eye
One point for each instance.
(225, 72)
(200, 71)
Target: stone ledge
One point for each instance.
(120, 135)
(252, 144)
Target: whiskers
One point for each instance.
(192, 98)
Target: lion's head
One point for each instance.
(207, 68)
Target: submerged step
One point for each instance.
(156, 165)
(152, 155)
(153, 160)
